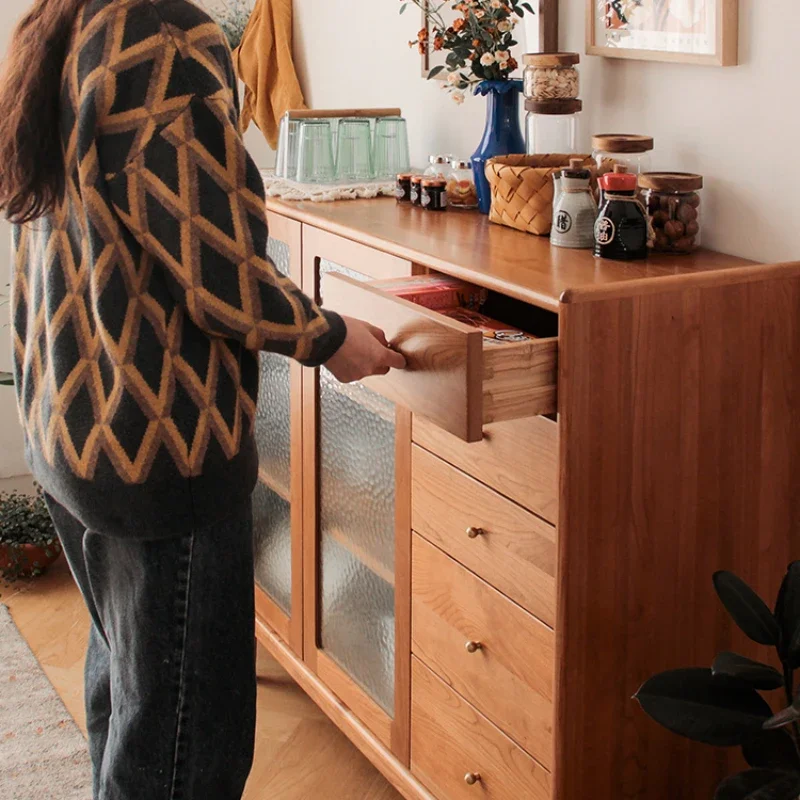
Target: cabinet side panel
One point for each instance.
(680, 455)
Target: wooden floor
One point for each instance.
(300, 755)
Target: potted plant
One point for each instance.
(28, 541)
(723, 706)
(479, 42)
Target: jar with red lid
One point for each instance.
(622, 230)
(673, 203)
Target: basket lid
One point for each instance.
(551, 59)
(671, 181)
(564, 106)
(622, 143)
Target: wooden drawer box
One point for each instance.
(457, 753)
(504, 544)
(500, 658)
(519, 459)
(452, 378)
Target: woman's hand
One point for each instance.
(365, 352)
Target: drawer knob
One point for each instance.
(474, 533)
(473, 647)
(471, 778)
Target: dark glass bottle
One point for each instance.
(620, 232)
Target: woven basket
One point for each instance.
(522, 189)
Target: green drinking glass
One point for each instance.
(390, 154)
(315, 152)
(354, 150)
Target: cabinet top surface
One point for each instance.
(467, 245)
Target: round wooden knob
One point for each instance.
(473, 647)
(471, 778)
(474, 533)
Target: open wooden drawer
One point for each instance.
(453, 378)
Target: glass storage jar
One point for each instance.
(551, 76)
(622, 148)
(461, 190)
(673, 203)
(551, 126)
(438, 166)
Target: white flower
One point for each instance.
(479, 13)
(497, 3)
(504, 26)
(453, 78)
(487, 59)
(502, 56)
(458, 98)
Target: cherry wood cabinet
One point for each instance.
(473, 564)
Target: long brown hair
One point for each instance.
(31, 159)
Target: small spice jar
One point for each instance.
(402, 190)
(551, 76)
(434, 194)
(672, 200)
(551, 126)
(416, 190)
(461, 189)
(622, 148)
(439, 166)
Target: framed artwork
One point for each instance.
(688, 31)
(540, 32)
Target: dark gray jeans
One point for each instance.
(170, 670)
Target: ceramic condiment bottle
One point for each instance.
(621, 231)
(575, 212)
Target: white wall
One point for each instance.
(739, 126)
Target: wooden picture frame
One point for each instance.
(546, 34)
(725, 36)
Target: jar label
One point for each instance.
(426, 198)
(414, 195)
(604, 231)
(563, 222)
(399, 192)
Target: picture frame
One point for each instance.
(704, 32)
(541, 34)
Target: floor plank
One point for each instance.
(300, 754)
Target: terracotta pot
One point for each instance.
(30, 560)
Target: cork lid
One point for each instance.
(576, 169)
(551, 59)
(405, 176)
(671, 181)
(567, 106)
(417, 178)
(622, 143)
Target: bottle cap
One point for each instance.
(439, 159)
(576, 169)
(618, 182)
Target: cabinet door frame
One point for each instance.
(393, 732)
(290, 626)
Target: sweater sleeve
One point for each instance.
(194, 200)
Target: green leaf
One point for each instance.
(753, 673)
(694, 703)
(746, 608)
(519, 12)
(760, 784)
(435, 71)
(527, 7)
(403, 8)
(771, 749)
(6, 379)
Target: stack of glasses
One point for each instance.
(342, 150)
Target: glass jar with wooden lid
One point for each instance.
(673, 201)
(551, 76)
(632, 150)
(551, 126)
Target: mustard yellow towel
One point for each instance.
(264, 62)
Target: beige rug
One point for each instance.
(42, 752)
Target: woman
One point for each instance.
(141, 295)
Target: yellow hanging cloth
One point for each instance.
(264, 63)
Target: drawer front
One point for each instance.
(519, 459)
(452, 742)
(451, 378)
(504, 544)
(497, 656)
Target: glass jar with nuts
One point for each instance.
(551, 76)
(673, 203)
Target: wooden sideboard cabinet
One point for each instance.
(471, 565)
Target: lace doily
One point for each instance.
(324, 193)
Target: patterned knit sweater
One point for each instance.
(140, 303)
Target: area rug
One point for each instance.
(42, 752)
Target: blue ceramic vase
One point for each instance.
(502, 135)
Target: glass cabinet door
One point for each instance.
(277, 512)
(357, 535)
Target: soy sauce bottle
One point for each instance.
(620, 232)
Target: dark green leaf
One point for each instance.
(452, 60)
(760, 784)
(785, 717)
(753, 673)
(787, 612)
(528, 8)
(746, 608)
(771, 749)
(435, 71)
(6, 379)
(403, 8)
(694, 703)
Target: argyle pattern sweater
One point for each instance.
(140, 303)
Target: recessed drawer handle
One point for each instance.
(473, 647)
(474, 533)
(471, 778)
